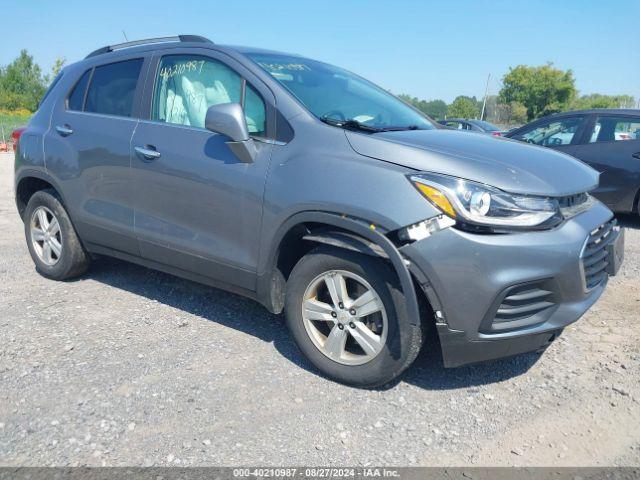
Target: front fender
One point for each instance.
(356, 226)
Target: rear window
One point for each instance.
(51, 87)
(112, 88)
(76, 98)
(615, 129)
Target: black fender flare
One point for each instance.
(379, 245)
(346, 241)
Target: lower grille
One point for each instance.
(523, 306)
(594, 255)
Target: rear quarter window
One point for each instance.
(76, 97)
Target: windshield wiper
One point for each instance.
(399, 129)
(351, 125)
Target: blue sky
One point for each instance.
(429, 49)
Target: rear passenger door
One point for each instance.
(88, 151)
(611, 145)
(198, 207)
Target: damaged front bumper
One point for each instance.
(497, 295)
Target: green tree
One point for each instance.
(408, 99)
(542, 90)
(596, 100)
(518, 113)
(436, 109)
(56, 67)
(21, 84)
(463, 107)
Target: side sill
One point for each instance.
(194, 277)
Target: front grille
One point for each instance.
(522, 306)
(573, 200)
(573, 205)
(594, 255)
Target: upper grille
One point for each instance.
(573, 205)
(572, 200)
(594, 255)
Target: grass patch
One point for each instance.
(12, 119)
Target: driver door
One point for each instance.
(198, 208)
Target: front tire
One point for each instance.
(52, 241)
(348, 316)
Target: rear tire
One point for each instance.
(362, 358)
(52, 241)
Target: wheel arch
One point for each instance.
(29, 182)
(303, 231)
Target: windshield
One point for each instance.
(486, 126)
(339, 97)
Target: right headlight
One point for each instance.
(485, 207)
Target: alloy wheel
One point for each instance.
(46, 236)
(344, 317)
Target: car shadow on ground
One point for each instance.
(247, 316)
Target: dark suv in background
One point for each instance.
(316, 193)
(608, 140)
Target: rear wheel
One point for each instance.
(52, 241)
(348, 316)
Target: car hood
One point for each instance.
(509, 165)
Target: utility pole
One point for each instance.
(484, 102)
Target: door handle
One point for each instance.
(148, 153)
(636, 155)
(64, 130)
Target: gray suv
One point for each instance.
(314, 192)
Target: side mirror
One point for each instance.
(228, 119)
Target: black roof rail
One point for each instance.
(176, 38)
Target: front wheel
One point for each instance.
(348, 316)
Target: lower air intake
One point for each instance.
(523, 306)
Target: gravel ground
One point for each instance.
(127, 366)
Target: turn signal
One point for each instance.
(436, 197)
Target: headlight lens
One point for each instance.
(480, 205)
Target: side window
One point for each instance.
(187, 85)
(456, 125)
(76, 98)
(553, 132)
(113, 87)
(254, 112)
(614, 129)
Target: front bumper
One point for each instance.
(500, 295)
